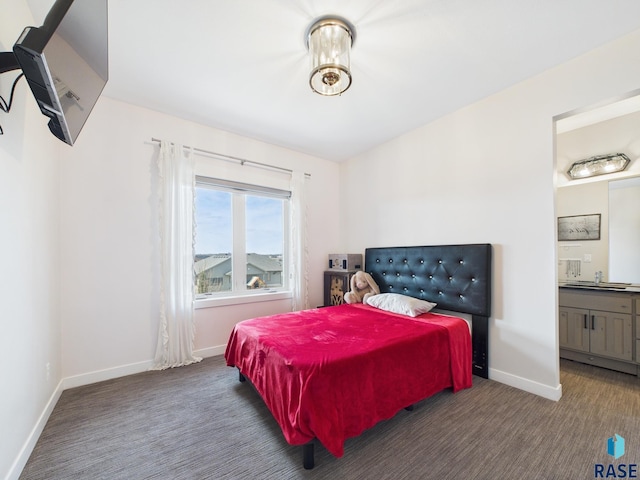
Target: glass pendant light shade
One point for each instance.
(329, 40)
(603, 164)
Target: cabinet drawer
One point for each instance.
(595, 300)
(637, 350)
(637, 306)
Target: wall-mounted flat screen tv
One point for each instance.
(66, 63)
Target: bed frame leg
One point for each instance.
(308, 461)
(241, 377)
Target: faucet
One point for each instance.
(598, 277)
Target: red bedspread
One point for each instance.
(330, 373)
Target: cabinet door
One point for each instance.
(574, 328)
(611, 334)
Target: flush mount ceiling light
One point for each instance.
(329, 41)
(600, 165)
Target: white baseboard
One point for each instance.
(32, 439)
(210, 351)
(132, 368)
(106, 374)
(545, 391)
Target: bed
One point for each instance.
(328, 374)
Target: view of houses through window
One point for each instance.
(234, 224)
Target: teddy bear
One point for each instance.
(363, 286)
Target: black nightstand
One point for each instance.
(336, 284)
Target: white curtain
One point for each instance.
(176, 193)
(299, 251)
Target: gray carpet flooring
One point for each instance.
(199, 422)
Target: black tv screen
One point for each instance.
(66, 63)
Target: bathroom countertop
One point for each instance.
(602, 286)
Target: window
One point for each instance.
(241, 241)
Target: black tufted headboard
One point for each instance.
(456, 277)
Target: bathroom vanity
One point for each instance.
(599, 324)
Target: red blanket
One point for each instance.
(330, 373)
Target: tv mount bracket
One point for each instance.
(8, 62)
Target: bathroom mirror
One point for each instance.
(617, 252)
(624, 230)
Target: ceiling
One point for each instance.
(242, 66)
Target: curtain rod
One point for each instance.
(242, 161)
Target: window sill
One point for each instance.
(241, 299)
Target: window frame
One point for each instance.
(239, 294)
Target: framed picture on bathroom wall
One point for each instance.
(579, 227)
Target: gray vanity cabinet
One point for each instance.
(597, 327)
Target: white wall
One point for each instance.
(486, 174)
(109, 238)
(29, 261)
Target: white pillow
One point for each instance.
(402, 304)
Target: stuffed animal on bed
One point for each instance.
(363, 286)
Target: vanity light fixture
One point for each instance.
(599, 165)
(329, 40)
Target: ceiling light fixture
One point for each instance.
(329, 41)
(600, 165)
